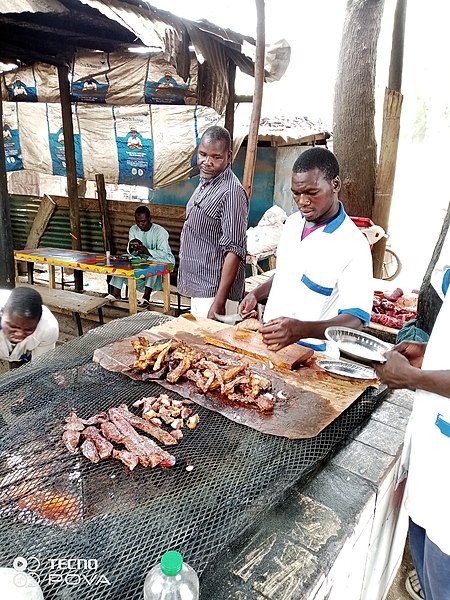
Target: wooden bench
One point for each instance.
(73, 302)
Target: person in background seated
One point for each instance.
(148, 241)
(27, 328)
(324, 275)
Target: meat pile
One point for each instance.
(114, 434)
(393, 309)
(175, 361)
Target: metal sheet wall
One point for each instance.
(57, 234)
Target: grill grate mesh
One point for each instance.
(126, 520)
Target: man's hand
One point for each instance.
(281, 332)
(137, 246)
(413, 351)
(396, 372)
(216, 308)
(248, 304)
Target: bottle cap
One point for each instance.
(171, 563)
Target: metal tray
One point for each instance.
(357, 345)
(346, 370)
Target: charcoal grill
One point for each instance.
(112, 525)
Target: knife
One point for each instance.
(235, 318)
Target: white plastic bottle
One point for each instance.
(172, 579)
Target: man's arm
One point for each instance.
(398, 373)
(257, 295)
(228, 275)
(283, 331)
(233, 241)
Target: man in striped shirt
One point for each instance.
(213, 240)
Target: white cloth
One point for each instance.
(327, 273)
(42, 340)
(428, 491)
(200, 306)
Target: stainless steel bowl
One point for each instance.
(357, 345)
(346, 370)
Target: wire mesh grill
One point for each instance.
(55, 506)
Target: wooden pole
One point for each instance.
(108, 241)
(7, 272)
(252, 140)
(229, 110)
(71, 168)
(392, 110)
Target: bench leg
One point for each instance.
(101, 320)
(30, 272)
(77, 319)
(166, 293)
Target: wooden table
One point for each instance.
(98, 263)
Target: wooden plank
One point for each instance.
(40, 222)
(67, 300)
(250, 343)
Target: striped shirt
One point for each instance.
(216, 223)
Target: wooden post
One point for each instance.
(71, 168)
(40, 222)
(229, 110)
(108, 241)
(7, 270)
(38, 227)
(392, 110)
(252, 140)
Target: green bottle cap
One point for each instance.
(171, 563)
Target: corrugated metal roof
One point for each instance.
(52, 30)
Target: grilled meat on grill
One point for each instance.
(104, 447)
(89, 450)
(207, 371)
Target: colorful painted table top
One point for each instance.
(97, 263)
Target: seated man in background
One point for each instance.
(148, 241)
(27, 328)
(324, 265)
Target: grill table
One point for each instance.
(98, 263)
(237, 502)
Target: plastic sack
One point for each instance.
(266, 235)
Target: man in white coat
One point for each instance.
(426, 369)
(324, 275)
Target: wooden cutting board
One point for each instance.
(251, 343)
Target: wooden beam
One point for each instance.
(71, 168)
(38, 227)
(108, 241)
(252, 144)
(7, 267)
(229, 109)
(40, 222)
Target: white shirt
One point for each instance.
(327, 273)
(428, 489)
(40, 341)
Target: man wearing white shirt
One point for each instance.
(426, 369)
(27, 328)
(324, 266)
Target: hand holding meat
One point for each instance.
(396, 372)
